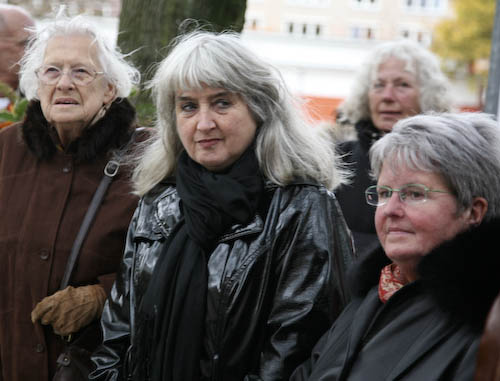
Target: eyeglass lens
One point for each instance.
(80, 75)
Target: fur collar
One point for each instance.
(367, 133)
(110, 132)
(461, 274)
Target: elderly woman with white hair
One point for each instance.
(397, 80)
(420, 302)
(234, 261)
(51, 164)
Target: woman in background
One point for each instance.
(397, 80)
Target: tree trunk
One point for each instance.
(147, 27)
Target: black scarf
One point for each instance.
(174, 303)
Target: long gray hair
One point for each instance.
(462, 148)
(434, 93)
(287, 147)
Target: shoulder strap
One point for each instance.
(110, 171)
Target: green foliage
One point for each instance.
(15, 113)
(466, 37)
(147, 26)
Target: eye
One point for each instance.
(81, 72)
(222, 103)
(49, 72)
(384, 193)
(51, 69)
(403, 84)
(413, 193)
(378, 85)
(187, 106)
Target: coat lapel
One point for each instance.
(364, 318)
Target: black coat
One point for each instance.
(358, 214)
(275, 285)
(428, 330)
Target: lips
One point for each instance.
(395, 230)
(65, 101)
(208, 142)
(390, 113)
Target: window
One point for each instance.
(425, 5)
(414, 33)
(363, 32)
(305, 29)
(254, 21)
(309, 3)
(368, 5)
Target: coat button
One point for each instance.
(44, 254)
(67, 168)
(39, 348)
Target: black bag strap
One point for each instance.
(110, 171)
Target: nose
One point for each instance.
(394, 206)
(388, 92)
(205, 119)
(65, 81)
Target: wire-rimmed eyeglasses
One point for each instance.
(408, 194)
(80, 76)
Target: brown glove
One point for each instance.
(488, 357)
(70, 309)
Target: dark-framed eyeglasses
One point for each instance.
(80, 75)
(408, 194)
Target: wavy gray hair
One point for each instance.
(121, 74)
(434, 90)
(463, 148)
(287, 147)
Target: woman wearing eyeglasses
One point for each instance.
(421, 300)
(50, 166)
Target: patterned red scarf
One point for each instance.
(391, 280)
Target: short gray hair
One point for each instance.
(434, 93)
(463, 148)
(121, 74)
(287, 147)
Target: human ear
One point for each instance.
(109, 93)
(477, 210)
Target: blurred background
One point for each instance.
(318, 45)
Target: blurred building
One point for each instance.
(318, 45)
(43, 8)
(348, 19)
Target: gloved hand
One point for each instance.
(70, 309)
(488, 357)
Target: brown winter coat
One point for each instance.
(44, 194)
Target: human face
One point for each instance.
(409, 231)
(13, 39)
(69, 107)
(393, 95)
(215, 126)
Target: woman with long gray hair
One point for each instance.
(398, 79)
(235, 257)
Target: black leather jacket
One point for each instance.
(274, 285)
